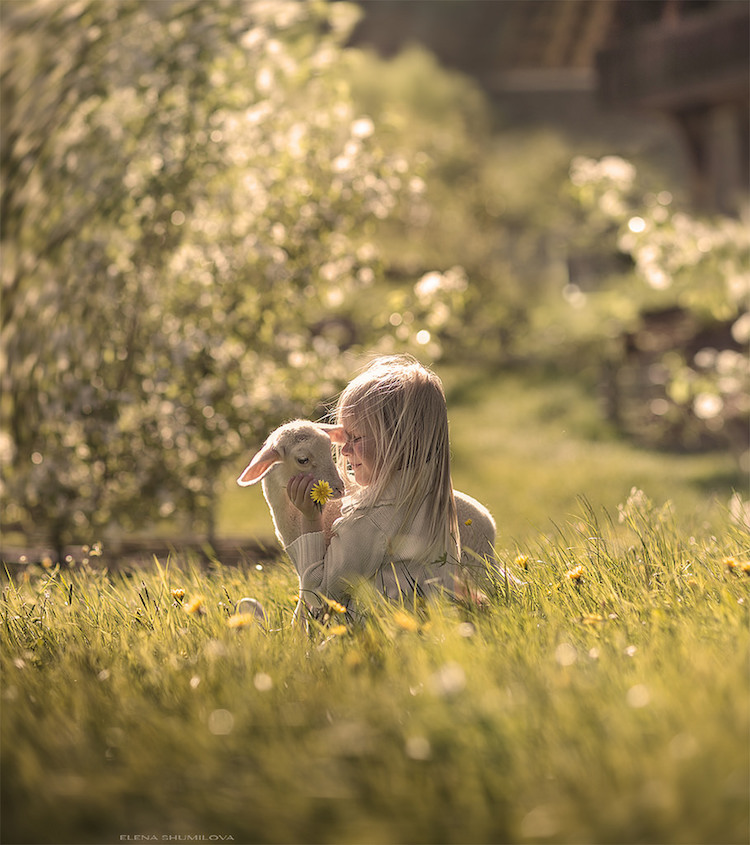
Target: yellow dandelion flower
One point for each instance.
(592, 619)
(334, 605)
(575, 574)
(468, 522)
(178, 595)
(321, 493)
(522, 561)
(195, 605)
(338, 630)
(405, 620)
(240, 620)
(730, 564)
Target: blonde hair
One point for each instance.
(400, 405)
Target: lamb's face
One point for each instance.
(299, 447)
(310, 453)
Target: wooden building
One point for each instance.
(689, 60)
(594, 64)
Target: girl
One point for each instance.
(398, 529)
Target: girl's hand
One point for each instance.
(298, 489)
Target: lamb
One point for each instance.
(296, 447)
(301, 446)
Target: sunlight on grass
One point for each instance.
(603, 699)
(531, 449)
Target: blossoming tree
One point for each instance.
(188, 191)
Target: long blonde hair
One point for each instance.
(400, 405)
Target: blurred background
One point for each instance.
(214, 213)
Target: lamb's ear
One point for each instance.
(335, 432)
(259, 466)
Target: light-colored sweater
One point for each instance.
(366, 546)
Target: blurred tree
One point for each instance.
(487, 200)
(187, 197)
(684, 306)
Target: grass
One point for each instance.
(604, 700)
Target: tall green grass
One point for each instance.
(604, 699)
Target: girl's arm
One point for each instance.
(356, 551)
(299, 489)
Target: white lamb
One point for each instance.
(294, 448)
(305, 447)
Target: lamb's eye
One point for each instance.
(303, 461)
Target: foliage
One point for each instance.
(188, 195)
(700, 266)
(603, 699)
(486, 201)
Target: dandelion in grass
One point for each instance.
(731, 565)
(735, 567)
(575, 575)
(334, 605)
(522, 561)
(178, 595)
(405, 621)
(321, 493)
(592, 619)
(195, 605)
(240, 620)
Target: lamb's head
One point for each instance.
(297, 447)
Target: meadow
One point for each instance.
(602, 699)
(600, 695)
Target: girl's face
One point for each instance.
(360, 452)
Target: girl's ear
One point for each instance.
(259, 466)
(335, 432)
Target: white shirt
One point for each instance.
(366, 547)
